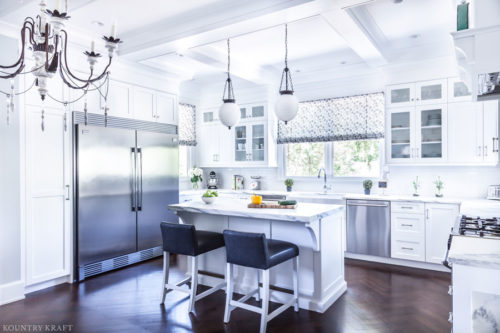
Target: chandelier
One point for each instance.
(46, 37)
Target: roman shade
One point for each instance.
(336, 119)
(187, 125)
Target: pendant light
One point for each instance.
(229, 111)
(286, 104)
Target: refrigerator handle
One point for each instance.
(139, 183)
(133, 160)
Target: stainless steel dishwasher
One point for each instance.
(369, 227)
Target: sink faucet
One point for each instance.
(325, 186)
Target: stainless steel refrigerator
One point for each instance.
(125, 180)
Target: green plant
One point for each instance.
(195, 175)
(416, 185)
(439, 186)
(367, 184)
(210, 194)
(289, 182)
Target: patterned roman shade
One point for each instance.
(187, 125)
(336, 119)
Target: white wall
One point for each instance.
(458, 181)
(10, 186)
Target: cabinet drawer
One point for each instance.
(407, 207)
(404, 225)
(408, 249)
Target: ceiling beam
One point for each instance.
(355, 25)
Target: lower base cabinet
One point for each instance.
(421, 235)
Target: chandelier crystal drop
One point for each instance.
(229, 111)
(46, 37)
(286, 105)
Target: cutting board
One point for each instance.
(271, 205)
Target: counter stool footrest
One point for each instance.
(245, 306)
(210, 291)
(280, 309)
(248, 296)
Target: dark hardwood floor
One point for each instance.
(379, 299)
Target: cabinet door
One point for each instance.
(490, 131)
(465, 128)
(48, 215)
(431, 141)
(439, 219)
(241, 153)
(119, 99)
(408, 236)
(224, 151)
(400, 135)
(208, 145)
(401, 95)
(166, 109)
(458, 91)
(431, 92)
(258, 143)
(144, 104)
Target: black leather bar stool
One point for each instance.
(256, 251)
(185, 239)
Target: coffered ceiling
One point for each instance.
(187, 38)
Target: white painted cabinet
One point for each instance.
(473, 132)
(120, 99)
(166, 108)
(458, 91)
(250, 143)
(144, 104)
(417, 93)
(417, 134)
(439, 219)
(214, 145)
(48, 196)
(408, 236)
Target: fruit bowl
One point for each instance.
(208, 200)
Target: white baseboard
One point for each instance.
(398, 262)
(47, 284)
(11, 292)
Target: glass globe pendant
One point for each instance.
(287, 104)
(229, 111)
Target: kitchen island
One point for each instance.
(315, 228)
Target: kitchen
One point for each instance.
(346, 151)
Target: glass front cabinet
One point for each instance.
(415, 94)
(250, 143)
(417, 134)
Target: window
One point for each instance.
(304, 159)
(358, 158)
(353, 158)
(184, 161)
(187, 137)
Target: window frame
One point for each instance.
(190, 160)
(329, 164)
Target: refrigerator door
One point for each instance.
(158, 185)
(106, 214)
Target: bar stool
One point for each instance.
(255, 251)
(185, 239)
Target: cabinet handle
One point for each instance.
(478, 150)
(450, 317)
(486, 150)
(427, 213)
(406, 207)
(412, 99)
(67, 192)
(450, 290)
(495, 150)
(407, 225)
(407, 248)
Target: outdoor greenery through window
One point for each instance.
(354, 158)
(360, 158)
(304, 159)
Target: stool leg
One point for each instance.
(194, 282)
(265, 301)
(166, 267)
(296, 283)
(257, 298)
(229, 291)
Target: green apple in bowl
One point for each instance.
(209, 196)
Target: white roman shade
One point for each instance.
(187, 125)
(336, 119)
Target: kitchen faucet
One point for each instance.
(325, 186)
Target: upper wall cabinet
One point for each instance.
(166, 108)
(120, 99)
(458, 91)
(414, 94)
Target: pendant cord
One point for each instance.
(286, 45)
(228, 58)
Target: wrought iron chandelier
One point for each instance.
(46, 37)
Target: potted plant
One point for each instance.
(195, 177)
(289, 184)
(367, 185)
(416, 186)
(439, 186)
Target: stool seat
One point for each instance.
(185, 239)
(280, 251)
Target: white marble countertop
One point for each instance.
(293, 194)
(395, 197)
(305, 212)
(475, 251)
